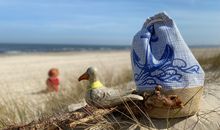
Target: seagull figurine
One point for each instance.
(102, 97)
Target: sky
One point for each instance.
(112, 22)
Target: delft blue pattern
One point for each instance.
(166, 70)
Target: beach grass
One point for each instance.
(210, 63)
(17, 112)
(211, 66)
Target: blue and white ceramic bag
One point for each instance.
(160, 56)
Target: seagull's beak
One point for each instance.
(85, 76)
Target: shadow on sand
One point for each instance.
(45, 91)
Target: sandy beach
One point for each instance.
(23, 75)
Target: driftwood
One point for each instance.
(88, 116)
(64, 121)
(96, 116)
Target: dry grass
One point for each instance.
(211, 66)
(210, 63)
(15, 112)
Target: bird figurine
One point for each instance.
(103, 97)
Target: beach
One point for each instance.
(24, 75)
(27, 73)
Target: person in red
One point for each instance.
(53, 80)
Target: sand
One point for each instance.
(24, 74)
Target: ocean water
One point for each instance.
(34, 48)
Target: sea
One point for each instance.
(41, 48)
(10, 48)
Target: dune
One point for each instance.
(23, 75)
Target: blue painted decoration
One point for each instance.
(167, 69)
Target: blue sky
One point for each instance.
(103, 21)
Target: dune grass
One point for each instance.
(18, 112)
(210, 63)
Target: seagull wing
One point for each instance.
(111, 97)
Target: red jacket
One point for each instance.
(54, 82)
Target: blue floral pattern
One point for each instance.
(167, 69)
